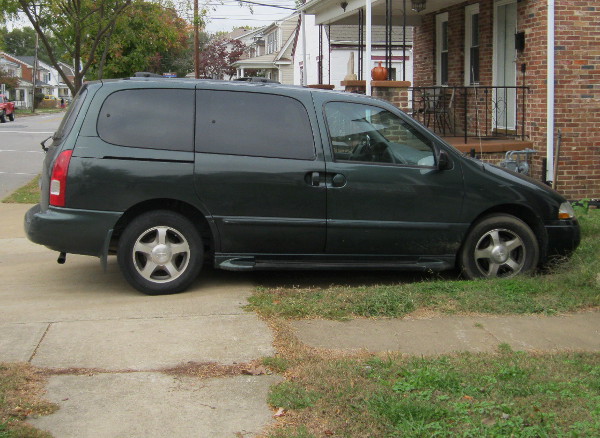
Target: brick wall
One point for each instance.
(577, 79)
(577, 89)
(395, 92)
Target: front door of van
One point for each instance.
(257, 165)
(386, 195)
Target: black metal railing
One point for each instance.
(475, 111)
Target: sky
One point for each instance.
(224, 15)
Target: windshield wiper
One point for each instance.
(43, 143)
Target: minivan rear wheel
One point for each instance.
(160, 252)
(499, 246)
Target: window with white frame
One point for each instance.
(441, 36)
(472, 44)
(272, 43)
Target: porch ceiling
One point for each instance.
(331, 12)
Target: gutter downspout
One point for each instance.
(367, 70)
(304, 66)
(550, 95)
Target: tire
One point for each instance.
(499, 246)
(2, 118)
(11, 117)
(160, 252)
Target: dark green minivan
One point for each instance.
(171, 174)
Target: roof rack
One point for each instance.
(145, 74)
(256, 79)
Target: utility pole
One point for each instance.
(196, 42)
(35, 72)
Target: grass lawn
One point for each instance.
(28, 113)
(568, 286)
(20, 390)
(28, 194)
(508, 394)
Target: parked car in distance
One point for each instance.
(50, 97)
(7, 109)
(251, 175)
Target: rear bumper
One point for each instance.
(563, 237)
(71, 231)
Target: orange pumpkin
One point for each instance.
(379, 73)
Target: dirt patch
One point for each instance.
(206, 370)
(21, 396)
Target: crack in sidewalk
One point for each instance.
(40, 342)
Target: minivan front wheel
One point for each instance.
(160, 252)
(499, 246)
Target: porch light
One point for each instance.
(418, 5)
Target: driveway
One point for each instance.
(115, 345)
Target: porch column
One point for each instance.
(550, 95)
(303, 21)
(367, 62)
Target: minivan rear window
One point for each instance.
(149, 118)
(253, 124)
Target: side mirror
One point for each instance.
(443, 160)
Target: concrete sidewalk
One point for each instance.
(76, 316)
(450, 334)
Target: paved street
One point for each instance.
(21, 155)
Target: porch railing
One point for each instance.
(475, 111)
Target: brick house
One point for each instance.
(48, 80)
(480, 75)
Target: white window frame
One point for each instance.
(469, 12)
(272, 42)
(439, 20)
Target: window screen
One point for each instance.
(149, 118)
(253, 124)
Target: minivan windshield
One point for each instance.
(71, 114)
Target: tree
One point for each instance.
(146, 37)
(80, 26)
(182, 61)
(11, 82)
(8, 9)
(21, 42)
(218, 55)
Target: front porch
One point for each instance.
(468, 87)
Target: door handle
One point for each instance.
(313, 179)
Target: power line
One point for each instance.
(267, 5)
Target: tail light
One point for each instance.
(58, 180)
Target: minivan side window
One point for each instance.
(69, 119)
(371, 134)
(253, 124)
(149, 118)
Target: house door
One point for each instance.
(505, 71)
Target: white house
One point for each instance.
(336, 44)
(270, 51)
